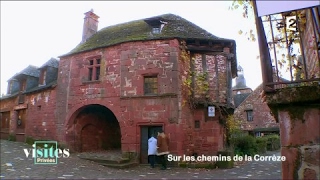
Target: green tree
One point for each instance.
(245, 8)
(233, 130)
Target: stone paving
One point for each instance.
(15, 165)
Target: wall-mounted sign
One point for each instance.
(211, 111)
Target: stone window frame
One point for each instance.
(249, 114)
(94, 68)
(154, 89)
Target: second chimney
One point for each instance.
(90, 25)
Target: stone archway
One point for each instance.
(96, 129)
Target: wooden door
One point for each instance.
(21, 125)
(146, 133)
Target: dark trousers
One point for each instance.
(152, 160)
(163, 161)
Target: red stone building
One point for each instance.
(126, 81)
(250, 108)
(28, 109)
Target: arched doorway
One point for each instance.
(96, 129)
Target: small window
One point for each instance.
(97, 73)
(23, 85)
(43, 77)
(150, 85)
(90, 74)
(249, 115)
(10, 87)
(258, 134)
(94, 69)
(156, 30)
(197, 124)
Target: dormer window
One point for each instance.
(43, 77)
(10, 87)
(156, 24)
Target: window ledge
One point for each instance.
(20, 133)
(91, 82)
(151, 96)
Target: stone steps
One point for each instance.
(109, 161)
(120, 166)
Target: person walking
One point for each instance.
(163, 148)
(152, 150)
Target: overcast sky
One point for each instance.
(33, 32)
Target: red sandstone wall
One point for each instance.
(41, 115)
(300, 144)
(121, 87)
(121, 90)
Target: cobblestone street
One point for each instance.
(15, 165)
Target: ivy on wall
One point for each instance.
(195, 83)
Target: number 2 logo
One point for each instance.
(291, 23)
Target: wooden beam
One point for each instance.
(204, 48)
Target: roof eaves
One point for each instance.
(39, 88)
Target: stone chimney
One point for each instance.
(90, 25)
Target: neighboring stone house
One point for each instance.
(28, 109)
(127, 81)
(254, 114)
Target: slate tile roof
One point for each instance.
(29, 71)
(52, 62)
